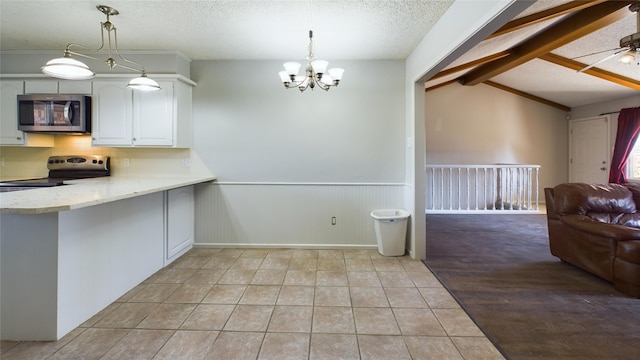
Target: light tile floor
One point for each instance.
(276, 304)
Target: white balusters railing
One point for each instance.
(482, 188)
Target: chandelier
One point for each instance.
(69, 68)
(316, 73)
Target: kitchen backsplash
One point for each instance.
(24, 162)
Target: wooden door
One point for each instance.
(589, 150)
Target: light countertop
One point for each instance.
(89, 192)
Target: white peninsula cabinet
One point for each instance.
(60, 268)
(122, 117)
(9, 133)
(180, 220)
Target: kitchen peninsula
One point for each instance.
(69, 251)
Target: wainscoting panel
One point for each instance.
(291, 215)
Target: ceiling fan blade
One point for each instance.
(605, 59)
(598, 52)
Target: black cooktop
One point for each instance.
(42, 182)
(62, 168)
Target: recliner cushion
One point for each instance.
(581, 198)
(634, 187)
(624, 219)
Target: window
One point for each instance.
(633, 164)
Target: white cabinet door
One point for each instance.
(9, 133)
(112, 114)
(153, 116)
(74, 87)
(180, 222)
(57, 87)
(41, 87)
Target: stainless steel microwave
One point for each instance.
(54, 113)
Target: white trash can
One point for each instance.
(391, 231)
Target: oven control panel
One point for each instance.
(78, 162)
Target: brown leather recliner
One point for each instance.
(597, 228)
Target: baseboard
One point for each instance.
(284, 246)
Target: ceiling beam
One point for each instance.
(544, 15)
(511, 90)
(573, 27)
(594, 71)
(528, 96)
(440, 85)
(470, 64)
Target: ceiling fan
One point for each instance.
(629, 45)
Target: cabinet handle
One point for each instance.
(18, 138)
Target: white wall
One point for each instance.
(463, 26)
(613, 106)
(290, 160)
(253, 129)
(484, 125)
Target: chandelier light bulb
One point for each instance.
(292, 68)
(319, 66)
(336, 74)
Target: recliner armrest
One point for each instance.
(588, 225)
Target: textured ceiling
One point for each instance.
(227, 29)
(343, 30)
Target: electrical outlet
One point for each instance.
(1, 161)
(186, 162)
(126, 162)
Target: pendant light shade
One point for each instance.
(67, 68)
(143, 83)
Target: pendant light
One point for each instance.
(69, 68)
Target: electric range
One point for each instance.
(61, 169)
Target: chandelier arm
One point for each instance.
(323, 86)
(68, 48)
(297, 86)
(294, 83)
(301, 85)
(81, 55)
(141, 68)
(305, 87)
(109, 29)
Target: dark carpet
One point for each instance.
(528, 302)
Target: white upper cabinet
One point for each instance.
(40, 87)
(9, 133)
(74, 87)
(122, 117)
(153, 116)
(52, 86)
(112, 114)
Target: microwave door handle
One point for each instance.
(68, 112)
(48, 115)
